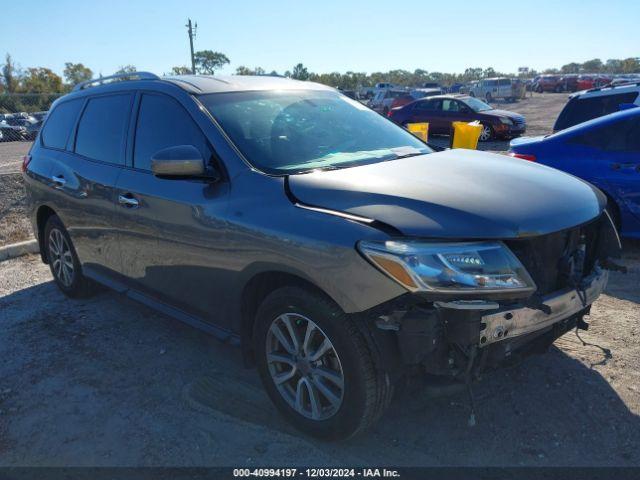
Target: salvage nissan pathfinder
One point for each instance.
(339, 251)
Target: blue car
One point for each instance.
(605, 152)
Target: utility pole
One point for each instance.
(192, 33)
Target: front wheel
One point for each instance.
(486, 134)
(488, 97)
(316, 366)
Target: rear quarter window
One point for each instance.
(61, 121)
(580, 110)
(102, 128)
(620, 136)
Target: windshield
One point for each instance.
(477, 105)
(285, 132)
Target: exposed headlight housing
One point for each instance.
(459, 268)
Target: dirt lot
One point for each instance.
(104, 381)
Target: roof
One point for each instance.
(237, 83)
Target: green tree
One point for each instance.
(10, 74)
(41, 80)
(630, 65)
(572, 67)
(300, 72)
(208, 61)
(126, 69)
(182, 70)
(593, 66)
(75, 73)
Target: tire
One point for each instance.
(63, 260)
(345, 411)
(488, 97)
(486, 134)
(471, 94)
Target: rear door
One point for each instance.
(429, 111)
(84, 180)
(172, 231)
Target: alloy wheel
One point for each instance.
(60, 257)
(486, 133)
(304, 366)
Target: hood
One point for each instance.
(462, 194)
(503, 113)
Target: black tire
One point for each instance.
(75, 284)
(488, 97)
(471, 94)
(366, 392)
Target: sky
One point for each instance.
(325, 35)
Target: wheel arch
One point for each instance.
(43, 214)
(255, 290)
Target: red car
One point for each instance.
(586, 82)
(548, 83)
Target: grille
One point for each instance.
(545, 257)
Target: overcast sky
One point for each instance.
(325, 35)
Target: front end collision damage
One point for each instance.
(458, 339)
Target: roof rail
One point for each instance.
(118, 76)
(629, 84)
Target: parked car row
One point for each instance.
(20, 126)
(575, 82)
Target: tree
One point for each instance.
(572, 67)
(630, 65)
(41, 80)
(593, 66)
(300, 72)
(10, 74)
(182, 70)
(242, 70)
(126, 69)
(208, 61)
(76, 73)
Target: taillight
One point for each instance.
(25, 162)
(523, 156)
(389, 113)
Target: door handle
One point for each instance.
(127, 200)
(58, 181)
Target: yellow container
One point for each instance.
(420, 130)
(466, 135)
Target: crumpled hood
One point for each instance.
(461, 194)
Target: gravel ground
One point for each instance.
(14, 224)
(105, 381)
(11, 154)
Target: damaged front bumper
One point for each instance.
(515, 322)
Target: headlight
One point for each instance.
(506, 121)
(469, 267)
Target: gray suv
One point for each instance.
(339, 251)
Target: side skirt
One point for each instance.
(120, 287)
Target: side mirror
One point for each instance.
(180, 161)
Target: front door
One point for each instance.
(172, 230)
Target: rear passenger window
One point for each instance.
(61, 120)
(580, 110)
(162, 123)
(102, 129)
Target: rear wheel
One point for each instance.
(316, 365)
(488, 97)
(63, 260)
